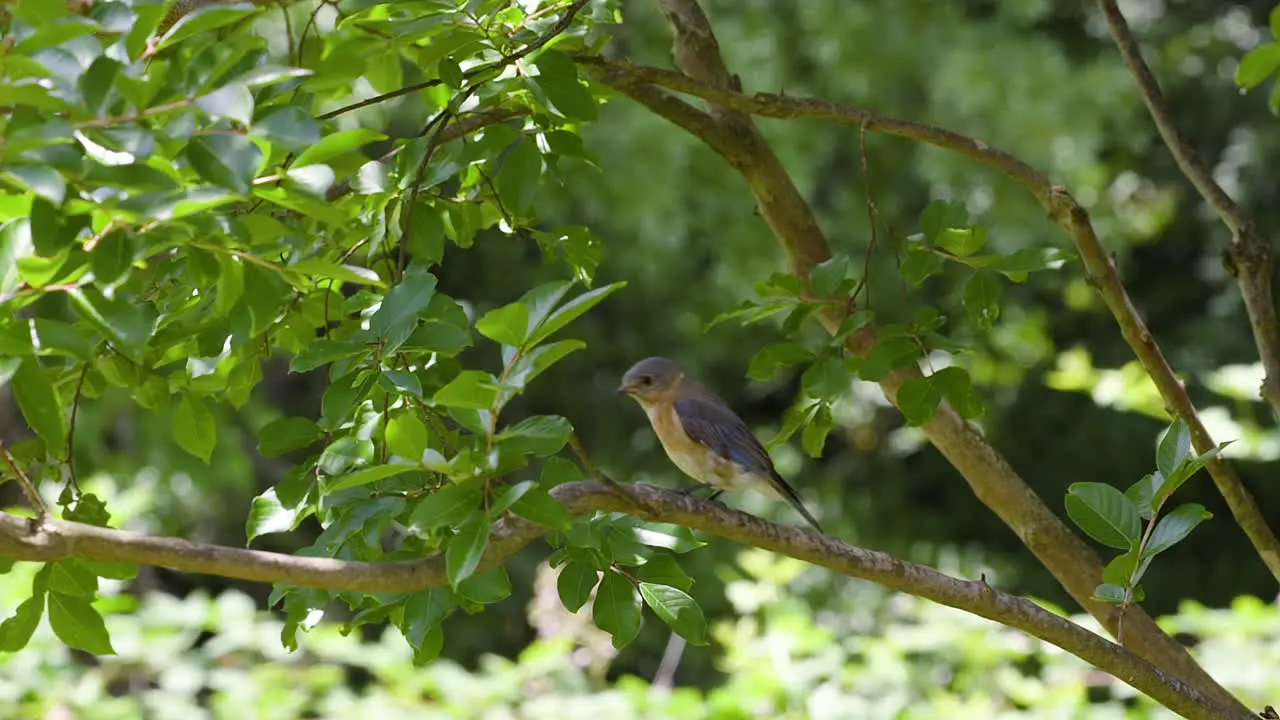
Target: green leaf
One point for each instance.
(569, 312)
(402, 303)
(575, 583)
(194, 428)
(202, 21)
(227, 161)
(663, 569)
(40, 404)
(1257, 65)
(401, 382)
(750, 312)
(982, 299)
(677, 610)
(918, 399)
(542, 435)
(1174, 527)
(507, 325)
(17, 629)
(285, 434)
(470, 389)
(366, 475)
(519, 176)
(539, 506)
(1125, 570)
(557, 471)
(919, 265)
(964, 241)
(558, 79)
(957, 388)
(676, 538)
(829, 377)
(41, 180)
(112, 257)
(425, 610)
(407, 436)
(1025, 260)
(888, 355)
(774, 357)
(814, 436)
(485, 588)
(538, 360)
(291, 128)
(617, 609)
(232, 101)
(826, 276)
(447, 506)
(1142, 493)
(322, 352)
(1110, 593)
(450, 72)
(1174, 447)
(77, 624)
(339, 143)
(466, 548)
(71, 577)
(940, 215)
(267, 515)
(1186, 469)
(36, 13)
(319, 268)
(432, 644)
(1105, 514)
(130, 325)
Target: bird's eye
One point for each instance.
(646, 380)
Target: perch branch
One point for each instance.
(59, 539)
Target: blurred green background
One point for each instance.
(1039, 78)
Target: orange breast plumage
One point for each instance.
(698, 461)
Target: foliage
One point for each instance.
(1115, 518)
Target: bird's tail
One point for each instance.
(790, 495)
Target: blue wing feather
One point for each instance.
(711, 423)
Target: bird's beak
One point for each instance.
(623, 390)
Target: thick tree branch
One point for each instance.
(1058, 203)
(56, 539)
(732, 133)
(1252, 256)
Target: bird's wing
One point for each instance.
(710, 423)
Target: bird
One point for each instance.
(704, 437)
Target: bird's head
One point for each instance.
(650, 380)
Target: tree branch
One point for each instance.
(993, 481)
(1252, 256)
(1059, 205)
(57, 539)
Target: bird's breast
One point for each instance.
(697, 460)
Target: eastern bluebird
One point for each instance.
(701, 435)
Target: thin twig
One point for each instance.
(28, 487)
(594, 472)
(71, 429)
